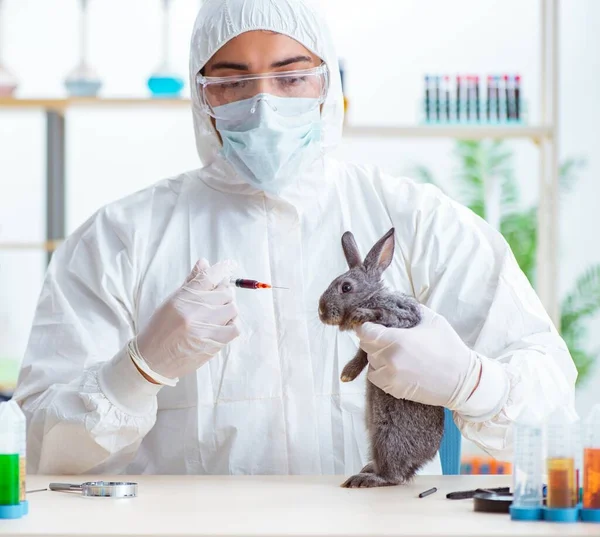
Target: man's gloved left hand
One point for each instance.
(430, 364)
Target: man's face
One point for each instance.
(260, 52)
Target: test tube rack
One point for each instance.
(462, 99)
(565, 499)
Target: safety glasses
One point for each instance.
(308, 84)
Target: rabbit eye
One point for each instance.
(346, 288)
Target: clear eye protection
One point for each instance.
(216, 92)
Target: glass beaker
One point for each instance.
(8, 81)
(83, 80)
(527, 467)
(164, 82)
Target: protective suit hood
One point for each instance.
(219, 21)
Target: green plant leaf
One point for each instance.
(520, 231)
(584, 363)
(584, 300)
(481, 161)
(568, 173)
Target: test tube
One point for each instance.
(591, 464)
(561, 498)
(427, 100)
(447, 99)
(438, 82)
(12, 480)
(459, 98)
(518, 97)
(499, 98)
(578, 461)
(527, 468)
(477, 103)
(492, 98)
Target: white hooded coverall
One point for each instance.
(271, 402)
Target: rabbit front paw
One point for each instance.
(352, 369)
(367, 480)
(368, 469)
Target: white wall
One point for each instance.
(387, 45)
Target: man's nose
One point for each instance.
(263, 85)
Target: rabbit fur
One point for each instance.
(404, 435)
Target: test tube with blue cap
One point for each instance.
(527, 467)
(561, 501)
(13, 502)
(591, 463)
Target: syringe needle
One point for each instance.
(253, 284)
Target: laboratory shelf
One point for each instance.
(465, 132)
(48, 246)
(60, 105)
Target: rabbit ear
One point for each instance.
(380, 256)
(351, 250)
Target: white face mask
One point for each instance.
(269, 140)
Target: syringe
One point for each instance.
(252, 284)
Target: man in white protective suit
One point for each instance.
(143, 359)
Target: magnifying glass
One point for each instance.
(104, 489)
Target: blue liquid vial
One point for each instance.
(164, 85)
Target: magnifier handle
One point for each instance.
(64, 486)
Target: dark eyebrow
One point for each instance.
(245, 67)
(289, 61)
(230, 65)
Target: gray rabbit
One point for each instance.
(404, 435)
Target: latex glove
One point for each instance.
(190, 327)
(430, 364)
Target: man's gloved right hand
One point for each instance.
(190, 326)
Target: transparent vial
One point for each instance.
(527, 465)
(562, 443)
(591, 460)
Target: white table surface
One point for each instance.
(252, 506)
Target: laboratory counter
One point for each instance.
(271, 506)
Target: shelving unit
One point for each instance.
(543, 135)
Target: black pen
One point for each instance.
(427, 492)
